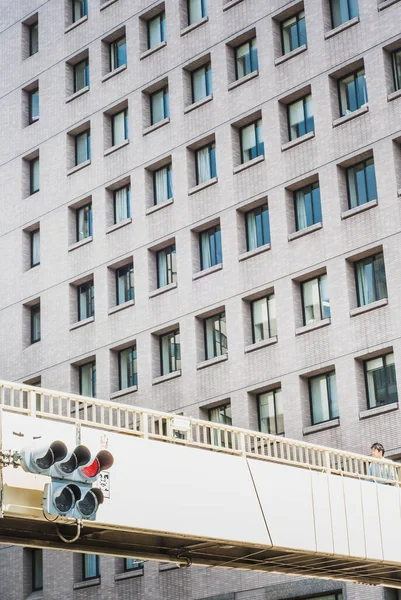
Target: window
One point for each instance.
(370, 279)
(159, 106)
(323, 398)
(156, 30)
(91, 566)
(82, 147)
(34, 175)
(125, 283)
(270, 412)
(293, 32)
(166, 266)
(127, 368)
(221, 414)
(86, 304)
(162, 185)
(210, 247)
(215, 336)
(121, 203)
(35, 323)
(81, 75)
(118, 53)
(396, 61)
(252, 144)
(361, 183)
(300, 117)
(205, 160)
(264, 323)
(170, 352)
(315, 300)
(201, 82)
(84, 221)
(246, 58)
(257, 227)
(308, 210)
(353, 92)
(87, 379)
(132, 564)
(119, 127)
(197, 10)
(35, 247)
(33, 30)
(79, 9)
(343, 11)
(37, 569)
(33, 103)
(381, 383)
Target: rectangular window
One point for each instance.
(35, 323)
(91, 566)
(353, 92)
(35, 247)
(210, 247)
(246, 58)
(121, 202)
(156, 30)
(81, 75)
(264, 322)
(79, 9)
(119, 127)
(205, 160)
(170, 352)
(33, 38)
(221, 414)
(215, 336)
(86, 304)
(323, 398)
(159, 106)
(396, 61)
(84, 221)
(270, 411)
(34, 175)
(82, 147)
(252, 144)
(197, 10)
(343, 11)
(315, 300)
(201, 81)
(166, 266)
(127, 368)
(381, 383)
(293, 32)
(370, 279)
(361, 183)
(308, 209)
(162, 185)
(37, 569)
(257, 227)
(300, 117)
(125, 284)
(87, 380)
(132, 564)
(33, 99)
(118, 53)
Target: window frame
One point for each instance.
(126, 187)
(140, 565)
(32, 164)
(317, 278)
(162, 28)
(328, 391)
(353, 74)
(87, 286)
(31, 243)
(214, 229)
(278, 389)
(129, 271)
(169, 176)
(35, 314)
(31, 28)
(385, 367)
(89, 220)
(253, 57)
(113, 53)
(166, 106)
(258, 143)
(212, 162)
(221, 318)
(221, 407)
(365, 162)
(297, 22)
(208, 81)
(203, 6)
(349, 2)
(269, 319)
(37, 586)
(92, 364)
(372, 258)
(86, 74)
(171, 275)
(88, 146)
(134, 364)
(396, 76)
(113, 127)
(305, 121)
(84, 570)
(31, 94)
(259, 211)
(170, 334)
(311, 188)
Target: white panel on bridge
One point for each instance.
(339, 516)
(390, 522)
(371, 520)
(322, 512)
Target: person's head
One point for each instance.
(377, 450)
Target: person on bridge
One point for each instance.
(382, 471)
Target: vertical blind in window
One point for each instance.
(82, 147)
(396, 59)
(118, 54)
(361, 181)
(119, 127)
(35, 247)
(91, 568)
(293, 32)
(197, 10)
(34, 175)
(246, 58)
(215, 336)
(86, 307)
(210, 246)
(159, 106)
(156, 30)
(81, 75)
(122, 204)
(323, 395)
(315, 299)
(381, 381)
(125, 283)
(127, 367)
(87, 380)
(301, 119)
(257, 227)
(84, 222)
(371, 279)
(35, 323)
(201, 82)
(264, 322)
(170, 352)
(205, 159)
(307, 206)
(252, 141)
(271, 417)
(162, 185)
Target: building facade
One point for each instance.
(200, 213)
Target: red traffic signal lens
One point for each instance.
(92, 470)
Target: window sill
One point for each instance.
(128, 574)
(386, 3)
(115, 148)
(113, 73)
(199, 103)
(156, 126)
(321, 426)
(261, 344)
(289, 55)
(124, 392)
(82, 323)
(202, 186)
(358, 209)
(230, 4)
(163, 290)
(167, 377)
(76, 24)
(394, 95)
(85, 584)
(156, 207)
(211, 361)
(107, 4)
(77, 168)
(193, 26)
(238, 82)
(299, 140)
(121, 306)
(77, 94)
(378, 410)
(248, 164)
(118, 225)
(152, 50)
(353, 115)
(359, 310)
(254, 252)
(341, 28)
(207, 271)
(312, 327)
(305, 231)
(83, 242)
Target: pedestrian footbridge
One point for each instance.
(195, 492)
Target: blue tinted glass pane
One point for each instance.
(266, 227)
(254, 59)
(317, 208)
(122, 54)
(208, 82)
(361, 186)
(369, 288)
(294, 36)
(212, 156)
(353, 8)
(169, 184)
(212, 244)
(308, 209)
(219, 255)
(302, 32)
(259, 230)
(351, 94)
(371, 182)
(163, 29)
(362, 96)
(166, 105)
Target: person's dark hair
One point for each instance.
(377, 446)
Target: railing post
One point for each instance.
(32, 403)
(242, 443)
(327, 461)
(145, 426)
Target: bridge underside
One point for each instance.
(168, 548)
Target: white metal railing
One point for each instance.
(123, 418)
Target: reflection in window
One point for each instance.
(361, 183)
(251, 138)
(308, 209)
(315, 300)
(323, 397)
(270, 410)
(170, 352)
(264, 322)
(293, 32)
(300, 115)
(353, 92)
(381, 381)
(166, 266)
(246, 58)
(210, 247)
(257, 227)
(371, 279)
(215, 336)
